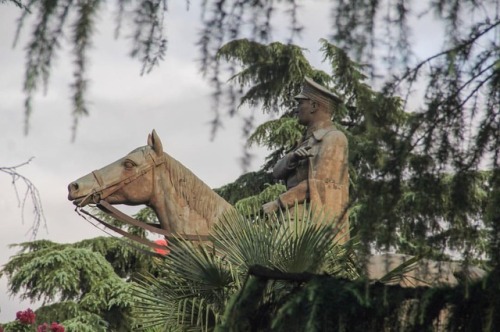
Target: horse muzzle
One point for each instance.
(81, 199)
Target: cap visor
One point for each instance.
(301, 96)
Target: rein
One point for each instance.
(132, 237)
(117, 214)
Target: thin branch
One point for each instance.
(413, 71)
(30, 192)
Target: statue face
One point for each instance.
(304, 113)
(129, 180)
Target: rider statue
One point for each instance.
(316, 171)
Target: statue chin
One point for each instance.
(81, 201)
(78, 202)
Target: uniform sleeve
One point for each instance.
(297, 194)
(283, 167)
(329, 167)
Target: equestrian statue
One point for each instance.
(315, 173)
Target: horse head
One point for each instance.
(129, 180)
(148, 176)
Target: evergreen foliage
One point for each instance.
(75, 278)
(75, 317)
(323, 303)
(390, 171)
(376, 33)
(411, 191)
(248, 184)
(252, 205)
(273, 71)
(18, 3)
(55, 19)
(84, 285)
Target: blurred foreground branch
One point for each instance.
(30, 192)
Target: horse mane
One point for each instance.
(198, 195)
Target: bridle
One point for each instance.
(98, 196)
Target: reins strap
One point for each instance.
(128, 235)
(117, 214)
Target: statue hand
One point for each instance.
(302, 153)
(271, 207)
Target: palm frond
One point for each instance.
(192, 292)
(291, 241)
(199, 279)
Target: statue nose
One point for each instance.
(72, 188)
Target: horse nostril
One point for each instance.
(73, 186)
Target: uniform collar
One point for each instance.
(318, 134)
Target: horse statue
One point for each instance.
(187, 207)
(183, 203)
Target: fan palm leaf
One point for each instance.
(199, 278)
(290, 242)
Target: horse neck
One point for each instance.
(183, 203)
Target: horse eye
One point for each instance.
(128, 164)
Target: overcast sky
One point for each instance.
(124, 107)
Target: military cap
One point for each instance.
(313, 91)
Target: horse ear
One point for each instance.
(155, 143)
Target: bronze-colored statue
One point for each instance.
(183, 203)
(316, 171)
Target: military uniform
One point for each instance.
(321, 180)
